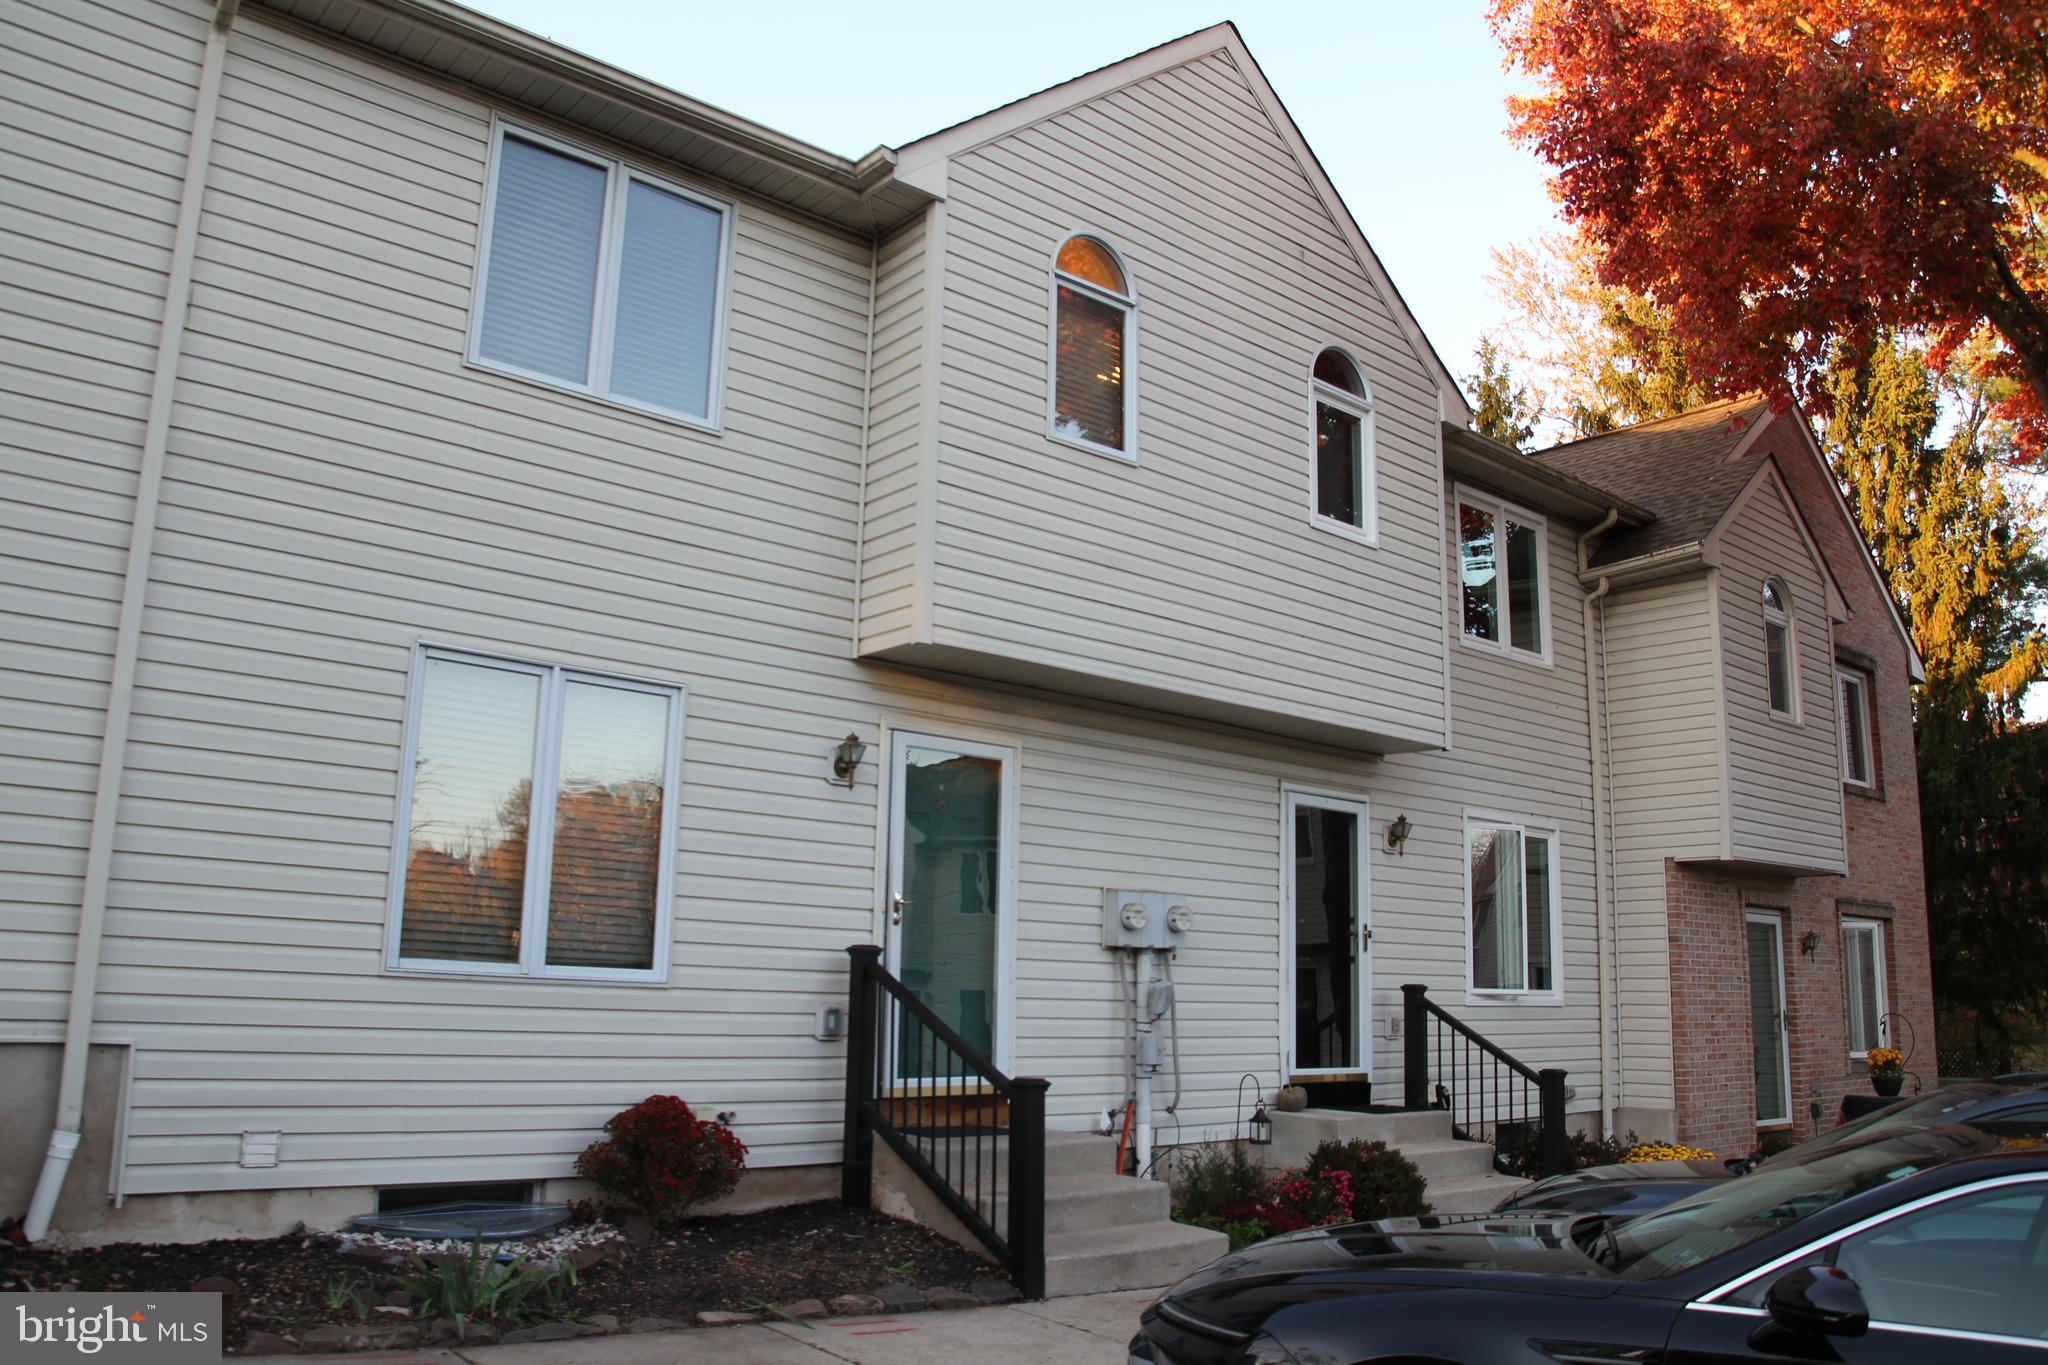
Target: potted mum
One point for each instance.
(1887, 1069)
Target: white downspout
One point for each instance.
(92, 910)
(1597, 755)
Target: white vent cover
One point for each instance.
(260, 1149)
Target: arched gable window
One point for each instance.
(1342, 496)
(1094, 349)
(1780, 655)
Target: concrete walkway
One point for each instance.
(1093, 1327)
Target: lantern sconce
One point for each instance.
(846, 759)
(1809, 943)
(1397, 834)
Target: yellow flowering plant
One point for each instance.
(1666, 1151)
(1885, 1059)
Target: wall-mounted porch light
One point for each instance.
(1397, 834)
(846, 759)
(1809, 944)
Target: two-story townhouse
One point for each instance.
(1770, 905)
(465, 498)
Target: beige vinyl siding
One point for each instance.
(1668, 789)
(1786, 793)
(897, 405)
(1519, 750)
(95, 118)
(1195, 570)
(341, 486)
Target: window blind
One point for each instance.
(668, 296)
(540, 282)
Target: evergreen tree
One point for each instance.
(1501, 408)
(1963, 557)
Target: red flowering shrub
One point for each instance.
(660, 1159)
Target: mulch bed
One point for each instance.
(739, 1262)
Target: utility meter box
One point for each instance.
(1145, 919)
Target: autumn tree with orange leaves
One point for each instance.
(1789, 179)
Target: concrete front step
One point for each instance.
(1065, 1153)
(1297, 1134)
(1147, 1256)
(1470, 1194)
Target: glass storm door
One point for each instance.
(1767, 1018)
(950, 837)
(1329, 973)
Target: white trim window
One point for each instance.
(1342, 478)
(1864, 992)
(1503, 577)
(536, 819)
(1511, 894)
(1858, 769)
(1094, 381)
(599, 278)
(1781, 650)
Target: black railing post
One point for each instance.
(1556, 1149)
(1415, 1048)
(1027, 1185)
(856, 1165)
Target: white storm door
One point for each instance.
(952, 873)
(1325, 935)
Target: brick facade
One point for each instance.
(1714, 1070)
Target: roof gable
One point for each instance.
(923, 164)
(1765, 481)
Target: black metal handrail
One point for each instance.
(906, 1070)
(1487, 1090)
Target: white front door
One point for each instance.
(1325, 935)
(952, 870)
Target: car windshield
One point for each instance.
(1919, 1109)
(1717, 1221)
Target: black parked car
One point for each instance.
(1635, 1188)
(1927, 1242)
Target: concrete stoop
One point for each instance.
(1106, 1232)
(1103, 1231)
(1460, 1176)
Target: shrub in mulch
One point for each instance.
(1226, 1189)
(309, 1286)
(659, 1159)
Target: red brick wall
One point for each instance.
(1714, 1079)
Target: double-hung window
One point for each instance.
(601, 278)
(536, 821)
(1341, 473)
(1863, 984)
(1094, 350)
(1512, 896)
(1503, 577)
(1858, 770)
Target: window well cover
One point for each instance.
(493, 1220)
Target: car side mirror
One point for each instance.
(1817, 1301)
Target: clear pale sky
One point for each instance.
(1402, 102)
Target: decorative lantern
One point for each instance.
(1261, 1127)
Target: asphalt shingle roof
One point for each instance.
(1678, 468)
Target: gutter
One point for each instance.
(68, 1126)
(1605, 915)
(856, 177)
(1675, 562)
